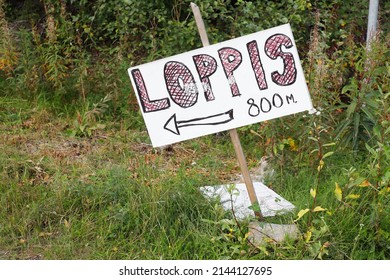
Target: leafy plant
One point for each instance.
(365, 97)
(85, 124)
(8, 52)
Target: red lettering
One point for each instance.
(231, 59)
(257, 67)
(206, 65)
(273, 50)
(180, 84)
(147, 104)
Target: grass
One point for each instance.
(113, 196)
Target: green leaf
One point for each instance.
(328, 154)
(255, 207)
(315, 150)
(342, 127)
(371, 102)
(275, 149)
(351, 87)
(351, 108)
(377, 131)
(369, 115)
(371, 150)
(356, 125)
(329, 144)
(352, 196)
(387, 131)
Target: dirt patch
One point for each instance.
(60, 149)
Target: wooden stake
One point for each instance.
(245, 172)
(233, 132)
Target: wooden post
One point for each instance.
(233, 132)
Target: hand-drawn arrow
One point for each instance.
(173, 124)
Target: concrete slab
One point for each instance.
(261, 233)
(271, 203)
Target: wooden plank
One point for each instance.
(245, 172)
(233, 132)
(200, 25)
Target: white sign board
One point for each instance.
(231, 84)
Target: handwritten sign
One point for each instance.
(231, 84)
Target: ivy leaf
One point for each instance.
(338, 192)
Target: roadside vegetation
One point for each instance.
(80, 180)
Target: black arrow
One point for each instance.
(173, 124)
